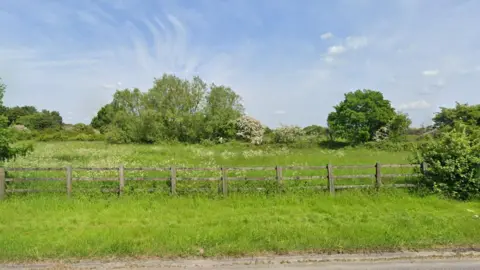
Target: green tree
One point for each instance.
(173, 109)
(315, 130)
(223, 107)
(42, 120)
(180, 104)
(360, 115)
(103, 118)
(7, 150)
(16, 112)
(468, 115)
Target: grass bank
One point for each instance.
(42, 227)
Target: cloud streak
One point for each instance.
(71, 56)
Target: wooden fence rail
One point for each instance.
(223, 179)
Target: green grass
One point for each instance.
(99, 154)
(50, 226)
(40, 227)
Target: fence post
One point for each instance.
(378, 175)
(423, 168)
(2, 183)
(173, 180)
(279, 175)
(69, 181)
(121, 179)
(224, 181)
(331, 180)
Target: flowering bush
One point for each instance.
(288, 134)
(250, 129)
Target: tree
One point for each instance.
(180, 103)
(42, 120)
(103, 118)
(468, 115)
(223, 107)
(7, 150)
(173, 109)
(315, 130)
(16, 112)
(361, 114)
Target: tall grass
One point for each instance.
(52, 227)
(98, 154)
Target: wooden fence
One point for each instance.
(328, 175)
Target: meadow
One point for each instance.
(102, 155)
(51, 226)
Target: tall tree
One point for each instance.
(360, 115)
(468, 115)
(7, 150)
(223, 107)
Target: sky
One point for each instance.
(290, 60)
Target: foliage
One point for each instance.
(223, 107)
(468, 115)
(395, 130)
(233, 226)
(250, 129)
(172, 110)
(41, 120)
(7, 149)
(453, 163)
(288, 134)
(315, 130)
(14, 113)
(361, 114)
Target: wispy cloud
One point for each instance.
(337, 49)
(415, 105)
(433, 72)
(327, 35)
(70, 56)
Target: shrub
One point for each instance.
(453, 161)
(250, 129)
(287, 134)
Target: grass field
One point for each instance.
(50, 226)
(41, 227)
(98, 154)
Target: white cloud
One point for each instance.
(326, 36)
(338, 49)
(433, 72)
(329, 59)
(280, 112)
(415, 105)
(89, 47)
(356, 42)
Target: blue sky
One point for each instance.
(291, 61)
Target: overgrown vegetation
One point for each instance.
(7, 149)
(50, 227)
(177, 110)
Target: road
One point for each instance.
(394, 265)
(385, 261)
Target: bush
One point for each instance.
(250, 129)
(453, 161)
(392, 146)
(287, 134)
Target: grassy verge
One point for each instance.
(41, 227)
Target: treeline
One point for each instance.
(191, 111)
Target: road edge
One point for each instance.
(245, 261)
